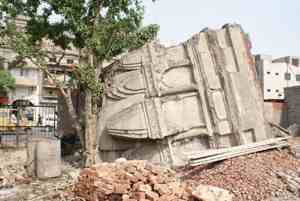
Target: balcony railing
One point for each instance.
(24, 81)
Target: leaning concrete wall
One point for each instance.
(164, 103)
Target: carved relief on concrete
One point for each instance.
(163, 104)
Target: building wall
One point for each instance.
(27, 84)
(293, 105)
(277, 74)
(25, 93)
(275, 112)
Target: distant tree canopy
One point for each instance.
(98, 29)
(7, 81)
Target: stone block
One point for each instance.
(211, 193)
(48, 158)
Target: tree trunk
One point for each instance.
(90, 130)
(72, 112)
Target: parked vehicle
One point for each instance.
(7, 121)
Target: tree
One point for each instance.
(99, 29)
(7, 81)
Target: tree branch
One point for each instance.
(49, 75)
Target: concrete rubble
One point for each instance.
(163, 104)
(211, 193)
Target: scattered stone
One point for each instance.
(211, 193)
(121, 160)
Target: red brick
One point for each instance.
(152, 196)
(139, 195)
(162, 189)
(144, 188)
(121, 188)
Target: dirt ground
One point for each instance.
(259, 176)
(16, 186)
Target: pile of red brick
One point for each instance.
(250, 178)
(130, 181)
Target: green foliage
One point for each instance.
(102, 28)
(88, 78)
(105, 27)
(7, 82)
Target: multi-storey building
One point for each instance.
(31, 83)
(277, 74)
(48, 94)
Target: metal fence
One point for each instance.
(17, 123)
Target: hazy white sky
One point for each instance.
(273, 25)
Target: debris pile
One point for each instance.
(12, 171)
(129, 180)
(250, 178)
(15, 184)
(140, 181)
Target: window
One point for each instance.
(24, 72)
(295, 62)
(287, 76)
(276, 73)
(268, 90)
(268, 72)
(279, 94)
(277, 90)
(53, 59)
(70, 61)
(298, 77)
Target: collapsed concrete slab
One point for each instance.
(165, 103)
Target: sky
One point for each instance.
(273, 25)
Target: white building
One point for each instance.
(31, 82)
(27, 78)
(27, 84)
(277, 74)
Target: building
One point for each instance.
(293, 109)
(277, 74)
(31, 83)
(48, 94)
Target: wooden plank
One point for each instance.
(212, 152)
(219, 155)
